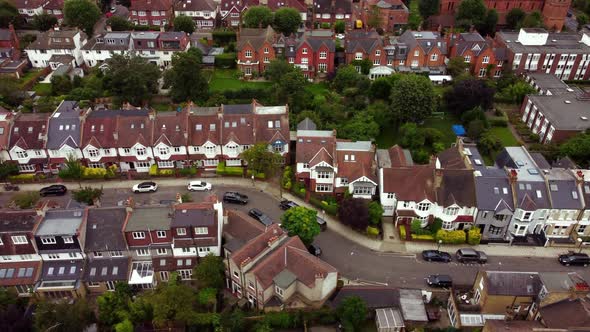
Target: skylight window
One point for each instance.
(539, 195)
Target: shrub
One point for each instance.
(325, 25)
(287, 178)
(282, 320)
(87, 195)
(111, 171)
(298, 189)
(225, 60)
(375, 213)
(474, 236)
(189, 171)
(223, 37)
(435, 226)
(417, 229)
(423, 237)
(402, 232)
(330, 207)
(260, 176)
(153, 170)
(22, 178)
(450, 237)
(372, 231)
(26, 199)
(93, 173)
(498, 122)
(186, 197)
(165, 172)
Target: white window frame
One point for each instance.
(162, 251)
(19, 239)
(142, 252)
(48, 240)
(181, 231)
(201, 230)
(279, 291)
(68, 239)
(161, 234)
(138, 235)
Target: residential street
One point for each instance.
(355, 262)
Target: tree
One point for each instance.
(428, 8)
(475, 129)
(60, 85)
(232, 321)
(7, 169)
(261, 160)
(44, 21)
(352, 312)
(277, 69)
(411, 136)
(113, 306)
(457, 66)
(375, 213)
(339, 26)
(468, 94)
(8, 13)
(487, 27)
(354, 212)
(489, 143)
(380, 89)
(291, 90)
(210, 272)
(515, 17)
(184, 23)
(73, 170)
(287, 20)
(302, 222)
(118, 23)
(517, 91)
(577, 148)
(257, 17)
(362, 127)
(63, 316)
(471, 12)
(82, 14)
(87, 195)
(172, 302)
(374, 19)
(533, 20)
(131, 78)
(582, 20)
(412, 98)
(346, 77)
(185, 78)
(10, 91)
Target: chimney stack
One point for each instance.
(129, 204)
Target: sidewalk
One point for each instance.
(491, 250)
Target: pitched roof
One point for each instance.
(64, 126)
(512, 283)
(322, 156)
(195, 5)
(470, 41)
(577, 312)
(293, 257)
(365, 41)
(363, 165)
(451, 158)
(5, 121)
(29, 131)
(457, 187)
(200, 120)
(257, 245)
(264, 115)
(426, 40)
(374, 296)
(493, 190)
(255, 37)
(17, 221)
(149, 5)
(62, 270)
(410, 183)
(56, 39)
(309, 143)
(133, 128)
(512, 325)
(193, 214)
(112, 128)
(306, 124)
(295, 4)
(171, 126)
(240, 229)
(107, 269)
(104, 230)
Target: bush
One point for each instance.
(417, 229)
(26, 200)
(423, 237)
(330, 207)
(325, 25)
(93, 173)
(232, 170)
(474, 236)
(372, 231)
(260, 176)
(287, 178)
(282, 320)
(402, 232)
(298, 189)
(498, 122)
(225, 60)
(22, 178)
(189, 171)
(223, 37)
(87, 195)
(153, 170)
(375, 212)
(450, 237)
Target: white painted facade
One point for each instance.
(94, 154)
(143, 154)
(23, 157)
(39, 58)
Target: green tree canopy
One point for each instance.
(7, 169)
(582, 20)
(184, 23)
(374, 20)
(276, 69)
(412, 98)
(471, 12)
(73, 170)
(291, 90)
(302, 222)
(44, 21)
(488, 26)
(63, 316)
(411, 136)
(210, 272)
(131, 78)
(515, 17)
(457, 66)
(8, 13)
(258, 17)
(118, 23)
(352, 312)
(362, 127)
(261, 160)
(87, 195)
(60, 85)
(428, 8)
(287, 20)
(577, 148)
(185, 78)
(82, 14)
(346, 77)
(172, 302)
(533, 20)
(375, 213)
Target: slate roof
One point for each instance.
(14, 273)
(29, 130)
(365, 41)
(560, 43)
(104, 229)
(240, 229)
(512, 283)
(470, 41)
(62, 270)
(563, 189)
(47, 40)
(427, 40)
(374, 296)
(540, 160)
(577, 312)
(457, 187)
(565, 162)
(493, 191)
(204, 116)
(17, 221)
(148, 217)
(255, 37)
(193, 214)
(64, 126)
(149, 5)
(171, 126)
(107, 269)
(306, 124)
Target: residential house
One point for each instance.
(203, 12)
(103, 46)
(150, 12)
(271, 126)
(299, 5)
(55, 8)
(365, 45)
(422, 51)
(170, 139)
(20, 263)
(158, 47)
(105, 247)
(272, 270)
(196, 230)
(567, 204)
(388, 158)
(393, 14)
(29, 8)
(134, 140)
(9, 44)
(231, 11)
(455, 198)
(576, 310)
(60, 240)
(56, 42)
(559, 286)
(27, 142)
(582, 228)
(255, 49)
(149, 239)
(478, 52)
(531, 197)
(330, 11)
(495, 295)
(356, 169)
(99, 139)
(314, 54)
(64, 134)
(6, 121)
(204, 137)
(566, 55)
(495, 204)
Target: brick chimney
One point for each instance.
(178, 198)
(129, 204)
(513, 175)
(579, 177)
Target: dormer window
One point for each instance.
(423, 207)
(48, 240)
(140, 151)
(68, 239)
(181, 231)
(30, 130)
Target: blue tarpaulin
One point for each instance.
(459, 130)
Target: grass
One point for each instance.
(42, 89)
(226, 79)
(505, 136)
(389, 135)
(318, 89)
(162, 107)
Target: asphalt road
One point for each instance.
(353, 261)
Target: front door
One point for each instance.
(132, 165)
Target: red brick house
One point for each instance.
(55, 8)
(9, 43)
(361, 45)
(314, 54)
(330, 11)
(478, 52)
(424, 51)
(394, 13)
(231, 11)
(150, 12)
(255, 50)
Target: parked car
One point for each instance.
(286, 204)
(199, 186)
(323, 223)
(436, 256)
(53, 190)
(468, 255)
(145, 187)
(439, 280)
(572, 258)
(260, 216)
(315, 250)
(235, 197)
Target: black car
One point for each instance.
(436, 256)
(468, 255)
(323, 224)
(260, 216)
(235, 197)
(573, 258)
(439, 280)
(53, 190)
(286, 204)
(315, 250)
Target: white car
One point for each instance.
(198, 186)
(340, 36)
(145, 187)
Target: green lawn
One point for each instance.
(162, 107)
(389, 135)
(226, 79)
(318, 89)
(505, 136)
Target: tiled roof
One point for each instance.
(457, 187)
(173, 126)
(17, 221)
(149, 5)
(322, 156)
(133, 128)
(255, 37)
(204, 134)
(451, 158)
(62, 270)
(240, 229)
(60, 39)
(196, 5)
(29, 130)
(410, 183)
(64, 126)
(104, 230)
(362, 166)
(576, 311)
(107, 269)
(296, 4)
(5, 119)
(512, 283)
(256, 245)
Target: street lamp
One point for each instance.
(439, 243)
(580, 241)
